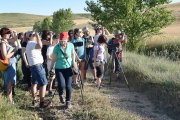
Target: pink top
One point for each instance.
(100, 50)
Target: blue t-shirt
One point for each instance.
(61, 62)
(79, 50)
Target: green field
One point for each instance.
(13, 20)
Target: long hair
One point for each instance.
(25, 39)
(45, 34)
(76, 30)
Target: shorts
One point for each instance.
(117, 65)
(99, 69)
(10, 74)
(89, 61)
(38, 75)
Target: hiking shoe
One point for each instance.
(50, 93)
(76, 85)
(68, 104)
(61, 99)
(34, 102)
(94, 81)
(83, 83)
(43, 105)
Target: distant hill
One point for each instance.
(13, 20)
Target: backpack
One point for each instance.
(110, 42)
(4, 63)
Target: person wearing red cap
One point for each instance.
(64, 58)
(8, 52)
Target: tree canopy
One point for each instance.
(139, 19)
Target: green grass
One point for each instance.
(12, 20)
(158, 77)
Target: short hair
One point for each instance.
(45, 34)
(102, 39)
(55, 36)
(20, 34)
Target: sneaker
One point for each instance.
(43, 105)
(61, 99)
(68, 104)
(34, 102)
(12, 103)
(95, 81)
(50, 93)
(83, 83)
(76, 85)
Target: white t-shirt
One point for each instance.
(96, 38)
(49, 53)
(34, 56)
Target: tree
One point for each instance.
(37, 26)
(62, 20)
(139, 19)
(47, 24)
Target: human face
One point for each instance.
(55, 41)
(63, 43)
(79, 33)
(32, 36)
(99, 30)
(6, 36)
(87, 33)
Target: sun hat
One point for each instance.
(117, 32)
(63, 36)
(85, 29)
(28, 33)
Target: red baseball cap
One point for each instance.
(63, 36)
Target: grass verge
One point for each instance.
(159, 78)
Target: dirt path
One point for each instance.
(132, 101)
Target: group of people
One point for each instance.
(56, 52)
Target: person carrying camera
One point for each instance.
(99, 58)
(119, 38)
(8, 52)
(35, 60)
(89, 43)
(64, 58)
(80, 54)
(46, 41)
(49, 59)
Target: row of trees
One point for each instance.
(62, 21)
(139, 19)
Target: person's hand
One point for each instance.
(95, 64)
(51, 33)
(75, 66)
(79, 60)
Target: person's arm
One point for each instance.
(24, 56)
(74, 62)
(14, 37)
(94, 55)
(45, 42)
(39, 43)
(49, 57)
(4, 53)
(106, 32)
(54, 56)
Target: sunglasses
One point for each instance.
(99, 29)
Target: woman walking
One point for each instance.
(64, 56)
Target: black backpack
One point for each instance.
(110, 42)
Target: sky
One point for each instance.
(43, 7)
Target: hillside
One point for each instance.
(13, 20)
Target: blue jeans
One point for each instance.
(64, 78)
(38, 75)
